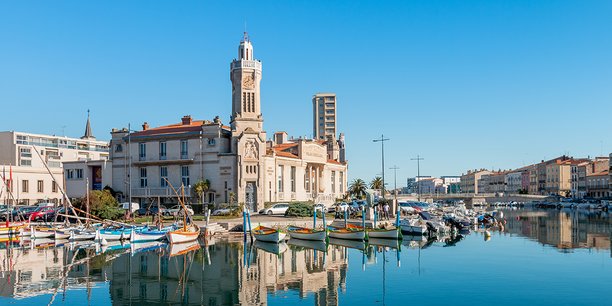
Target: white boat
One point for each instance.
(61, 234)
(268, 234)
(187, 234)
(392, 233)
(349, 233)
(306, 233)
(147, 235)
(41, 233)
(109, 235)
(413, 226)
(74, 235)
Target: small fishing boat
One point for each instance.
(275, 248)
(149, 234)
(61, 234)
(306, 233)
(350, 232)
(37, 233)
(13, 228)
(384, 233)
(413, 226)
(112, 234)
(308, 244)
(268, 234)
(184, 234)
(82, 235)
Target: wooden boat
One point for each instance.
(184, 234)
(391, 233)
(149, 234)
(111, 234)
(350, 232)
(306, 233)
(268, 234)
(37, 233)
(183, 248)
(13, 228)
(308, 244)
(61, 234)
(275, 248)
(82, 235)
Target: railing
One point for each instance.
(237, 64)
(159, 192)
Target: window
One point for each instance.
(79, 173)
(341, 182)
(118, 148)
(307, 180)
(162, 150)
(211, 141)
(40, 186)
(333, 181)
(143, 177)
(280, 178)
(53, 186)
(69, 174)
(25, 162)
(185, 175)
(142, 151)
(25, 186)
(292, 179)
(163, 176)
(184, 150)
(25, 155)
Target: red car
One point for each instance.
(43, 214)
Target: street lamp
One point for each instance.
(418, 160)
(382, 140)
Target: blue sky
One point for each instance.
(465, 84)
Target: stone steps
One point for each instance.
(215, 229)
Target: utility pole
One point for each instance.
(382, 140)
(418, 160)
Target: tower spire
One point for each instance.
(88, 134)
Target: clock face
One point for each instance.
(248, 81)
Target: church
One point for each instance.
(240, 162)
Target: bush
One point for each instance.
(299, 210)
(102, 205)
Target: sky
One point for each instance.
(463, 84)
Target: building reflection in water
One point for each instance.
(562, 229)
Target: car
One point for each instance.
(340, 207)
(43, 213)
(224, 211)
(23, 212)
(133, 207)
(276, 209)
(178, 209)
(152, 210)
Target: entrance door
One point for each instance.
(251, 196)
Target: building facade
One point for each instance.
(469, 180)
(24, 157)
(84, 175)
(237, 160)
(324, 115)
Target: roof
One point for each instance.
(194, 126)
(604, 173)
(282, 150)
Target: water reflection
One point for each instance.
(228, 272)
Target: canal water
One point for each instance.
(540, 257)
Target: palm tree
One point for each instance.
(376, 183)
(358, 188)
(201, 187)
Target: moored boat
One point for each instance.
(413, 226)
(306, 233)
(82, 235)
(384, 233)
(13, 228)
(351, 232)
(268, 234)
(148, 235)
(61, 234)
(184, 234)
(37, 233)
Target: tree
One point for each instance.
(102, 204)
(201, 187)
(376, 183)
(357, 188)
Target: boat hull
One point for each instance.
(314, 236)
(147, 236)
(384, 234)
(275, 237)
(37, 234)
(180, 236)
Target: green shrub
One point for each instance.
(299, 210)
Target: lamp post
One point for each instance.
(395, 168)
(418, 160)
(382, 140)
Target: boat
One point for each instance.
(183, 248)
(275, 248)
(184, 234)
(111, 234)
(61, 234)
(148, 234)
(268, 234)
(82, 235)
(413, 226)
(13, 228)
(305, 233)
(37, 233)
(308, 244)
(390, 233)
(350, 232)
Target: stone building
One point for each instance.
(469, 181)
(238, 160)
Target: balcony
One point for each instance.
(159, 192)
(168, 160)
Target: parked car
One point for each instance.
(23, 212)
(340, 207)
(276, 209)
(126, 206)
(45, 204)
(43, 213)
(224, 211)
(152, 210)
(178, 209)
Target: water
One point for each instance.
(541, 257)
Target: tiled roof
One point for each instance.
(194, 126)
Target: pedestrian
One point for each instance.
(386, 208)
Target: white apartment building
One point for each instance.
(24, 153)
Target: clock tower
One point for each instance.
(245, 74)
(248, 137)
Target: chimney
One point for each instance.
(186, 120)
(145, 126)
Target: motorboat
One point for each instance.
(268, 234)
(413, 226)
(306, 233)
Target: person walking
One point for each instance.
(386, 208)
